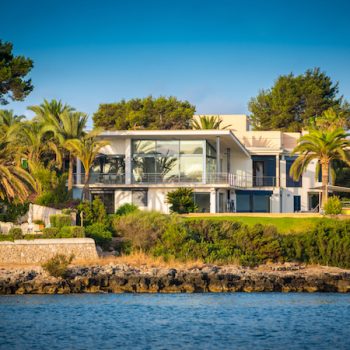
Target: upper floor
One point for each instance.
(234, 157)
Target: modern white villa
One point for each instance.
(230, 170)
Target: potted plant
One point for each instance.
(40, 223)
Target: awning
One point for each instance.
(332, 188)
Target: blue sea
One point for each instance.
(176, 321)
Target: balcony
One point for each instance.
(227, 179)
(105, 179)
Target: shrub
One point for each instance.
(5, 238)
(50, 232)
(71, 232)
(39, 222)
(68, 211)
(12, 212)
(60, 220)
(126, 208)
(333, 206)
(100, 234)
(32, 236)
(16, 233)
(53, 187)
(328, 244)
(93, 212)
(181, 201)
(58, 265)
(142, 228)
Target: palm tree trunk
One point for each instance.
(325, 180)
(70, 171)
(86, 185)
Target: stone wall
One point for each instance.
(40, 250)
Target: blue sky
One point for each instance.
(216, 54)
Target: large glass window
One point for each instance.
(167, 160)
(191, 168)
(144, 146)
(290, 181)
(202, 201)
(168, 148)
(191, 147)
(104, 164)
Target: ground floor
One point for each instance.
(212, 200)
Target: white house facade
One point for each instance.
(230, 170)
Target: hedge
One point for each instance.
(60, 220)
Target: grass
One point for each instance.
(140, 259)
(283, 224)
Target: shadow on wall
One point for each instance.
(39, 212)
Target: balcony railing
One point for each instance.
(156, 178)
(254, 181)
(106, 179)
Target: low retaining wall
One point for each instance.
(40, 250)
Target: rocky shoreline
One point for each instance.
(122, 278)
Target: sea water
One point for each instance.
(176, 321)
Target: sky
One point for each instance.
(216, 54)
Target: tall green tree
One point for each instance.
(71, 125)
(13, 70)
(62, 123)
(86, 149)
(294, 100)
(208, 122)
(9, 124)
(145, 113)
(324, 146)
(38, 150)
(49, 111)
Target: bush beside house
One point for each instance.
(227, 241)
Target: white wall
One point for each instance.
(241, 164)
(157, 200)
(275, 201)
(122, 197)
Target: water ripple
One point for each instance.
(172, 321)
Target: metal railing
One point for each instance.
(157, 178)
(239, 181)
(107, 179)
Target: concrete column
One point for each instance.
(278, 184)
(228, 165)
(283, 172)
(78, 172)
(204, 174)
(213, 201)
(128, 159)
(218, 165)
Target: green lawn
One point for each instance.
(284, 225)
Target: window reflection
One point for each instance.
(170, 160)
(144, 146)
(168, 148)
(191, 147)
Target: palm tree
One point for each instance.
(64, 123)
(86, 149)
(324, 146)
(9, 123)
(208, 122)
(330, 119)
(49, 110)
(70, 126)
(34, 145)
(15, 182)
